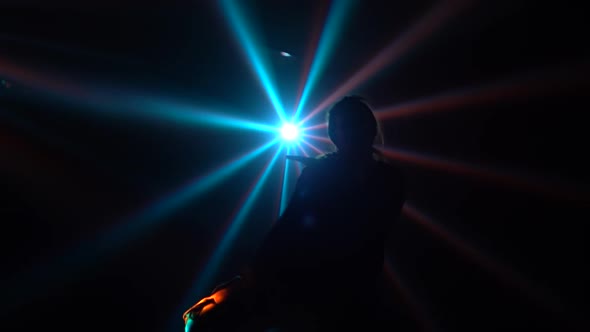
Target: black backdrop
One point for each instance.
(71, 171)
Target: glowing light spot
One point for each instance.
(286, 55)
(204, 305)
(289, 132)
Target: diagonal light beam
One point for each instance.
(211, 268)
(315, 127)
(399, 47)
(319, 138)
(111, 104)
(548, 82)
(319, 20)
(313, 147)
(338, 11)
(46, 83)
(66, 268)
(417, 311)
(186, 114)
(302, 150)
(246, 39)
(500, 271)
(537, 185)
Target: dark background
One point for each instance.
(71, 170)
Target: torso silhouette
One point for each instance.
(330, 239)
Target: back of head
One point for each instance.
(352, 126)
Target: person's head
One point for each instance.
(352, 126)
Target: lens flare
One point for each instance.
(289, 132)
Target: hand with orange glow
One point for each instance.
(219, 294)
(231, 299)
(204, 305)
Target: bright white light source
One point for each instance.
(289, 132)
(285, 54)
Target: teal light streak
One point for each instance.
(338, 11)
(63, 269)
(246, 38)
(285, 191)
(186, 114)
(210, 270)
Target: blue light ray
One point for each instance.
(202, 184)
(277, 205)
(186, 114)
(338, 11)
(67, 267)
(285, 191)
(212, 267)
(111, 103)
(246, 39)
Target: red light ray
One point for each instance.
(319, 18)
(523, 87)
(319, 138)
(315, 127)
(496, 177)
(41, 81)
(503, 273)
(406, 295)
(313, 147)
(399, 47)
